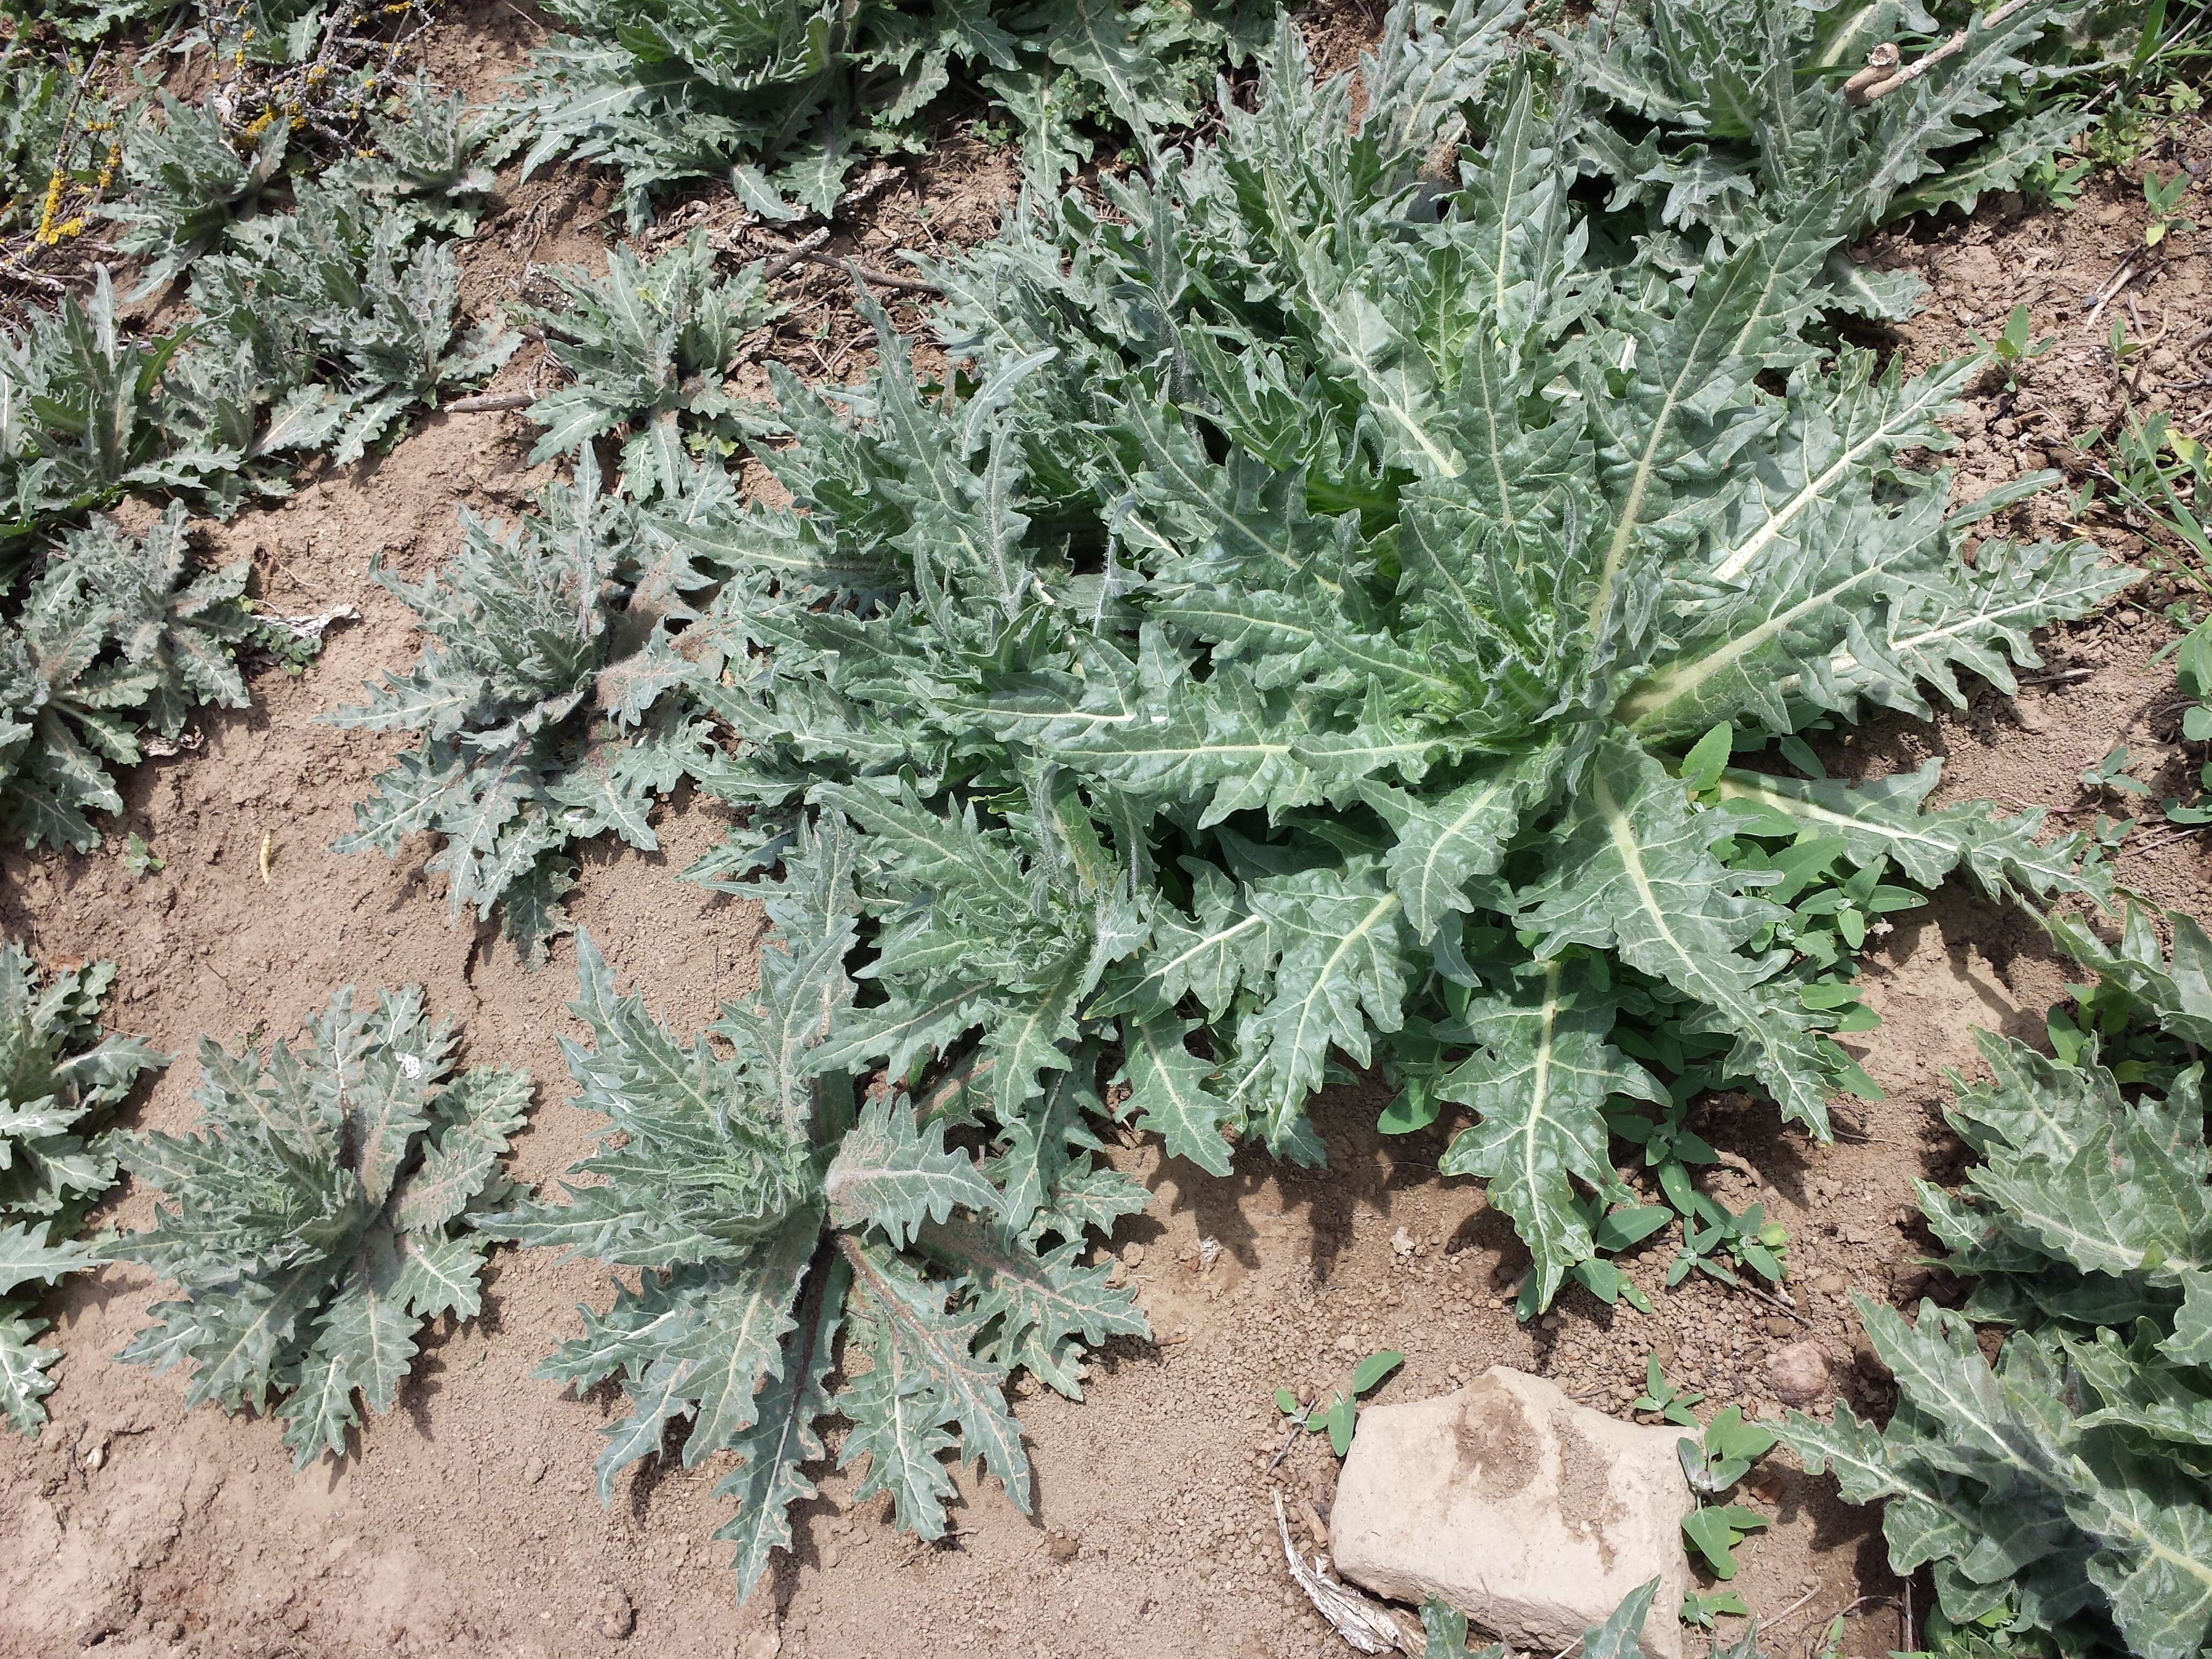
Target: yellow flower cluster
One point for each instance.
(48, 232)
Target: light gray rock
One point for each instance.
(1528, 1513)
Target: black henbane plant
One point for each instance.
(338, 317)
(422, 164)
(185, 183)
(323, 1214)
(60, 1074)
(316, 329)
(84, 417)
(673, 89)
(2067, 1489)
(772, 1214)
(1306, 597)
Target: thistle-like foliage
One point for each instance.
(186, 183)
(770, 1217)
(323, 1213)
(648, 346)
(336, 319)
(315, 327)
(59, 1074)
(1294, 635)
(2067, 1488)
(1740, 100)
(423, 164)
(83, 417)
(114, 634)
(542, 697)
(673, 89)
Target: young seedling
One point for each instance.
(140, 860)
(1714, 1463)
(1661, 1396)
(2164, 200)
(1702, 1607)
(2111, 775)
(1709, 1229)
(2013, 347)
(1341, 1416)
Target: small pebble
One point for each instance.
(1778, 1326)
(619, 1619)
(1062, 1547)
(534, 1470)
(1133, 1254)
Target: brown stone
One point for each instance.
(1798, 1374)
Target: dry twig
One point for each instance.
(1882, 75)
(870, 274)
(792, 255)
(1367, 1626)
(489, 402)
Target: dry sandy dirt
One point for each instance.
(465, 1524)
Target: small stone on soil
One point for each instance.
(1798, 1373)
(619, 1619)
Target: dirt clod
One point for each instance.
(619, 1619)
(1799, 1373)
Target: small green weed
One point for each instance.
(1715, 1463)
(1341, 1416)
(1664, 1397)
(2163, 197)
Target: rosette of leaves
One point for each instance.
(1305, 604)
(184, 182)
(666, 90)
(337, 318)
(84, 416)
(2065, 1488)
(115, 635)
(543, 694)
(317, 328)
(647, 347)
(423, 164)
(773, 1216)
(60, 1073)
(322, 1214)
(1716, 123)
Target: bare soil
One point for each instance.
(463, 1523)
